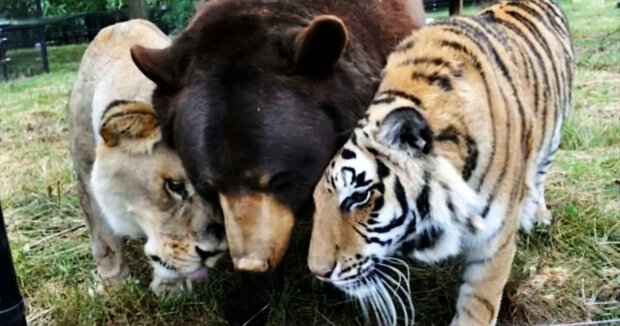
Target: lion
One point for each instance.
(129, 183)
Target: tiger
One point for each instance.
(450, 159)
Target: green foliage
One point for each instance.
(178, 14)
(20, 9)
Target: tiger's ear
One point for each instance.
(130, 126)
(157, 65)
(320, 45)
(406, 129)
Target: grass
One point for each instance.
(568, 272)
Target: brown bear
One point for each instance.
(257, 95)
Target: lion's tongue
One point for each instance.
(198, 274)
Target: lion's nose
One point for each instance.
(216, 230)
(206, 254)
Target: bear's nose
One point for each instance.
(205, 254)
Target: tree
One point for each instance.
(137, 8)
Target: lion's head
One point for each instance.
(143, 191)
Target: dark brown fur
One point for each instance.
(248, 116)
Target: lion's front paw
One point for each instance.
(101, 284)
(170, 287)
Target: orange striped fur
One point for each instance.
(450, 158)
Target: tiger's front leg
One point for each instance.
(485, 272)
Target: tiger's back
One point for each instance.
(521, 66)
(455, 148)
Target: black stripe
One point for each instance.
(471, 160)
(417, 61)
(387, 100)
(449, 134)
(428, 238)
(422, 202)
(370, 240)
(487, 304)
(465, 30)
(435, 79)
(382, 169)
(402, 94)
(471, 315)
(460, 48)
(542, 42)
(516, 95)
(537, 55)
(549, 9)
(347, 154)
(555, 29)
(510, 239)
(402, 201)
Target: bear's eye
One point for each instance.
(357, 199)
(176, 189)
(279, 181)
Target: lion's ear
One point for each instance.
(320, 45)
(132, 126)
(156, 64)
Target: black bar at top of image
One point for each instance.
(12, 312)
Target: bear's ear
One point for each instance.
(132, 126)
(156, 64)
(406, 129)
(319, 46)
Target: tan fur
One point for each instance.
(129, 165)
(512, 114)
(258, 230)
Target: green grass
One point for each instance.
(564, 273)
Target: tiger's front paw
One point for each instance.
(163, 287)
(543, 215)
(466, 321)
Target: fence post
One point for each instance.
(3, 58)
(42, 42)
(12, 312)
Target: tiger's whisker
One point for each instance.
(396, 292)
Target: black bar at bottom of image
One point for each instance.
(12, 312)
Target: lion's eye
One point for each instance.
(357, 199)
(176, 188)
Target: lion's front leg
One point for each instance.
(108, 251)
(486, 270)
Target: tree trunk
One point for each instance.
(137, 8)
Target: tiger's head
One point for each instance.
(143, 192)
(387, 192)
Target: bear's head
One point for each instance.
(256, 96)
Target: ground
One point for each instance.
(568, 272)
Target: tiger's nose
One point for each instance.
(323, 271)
